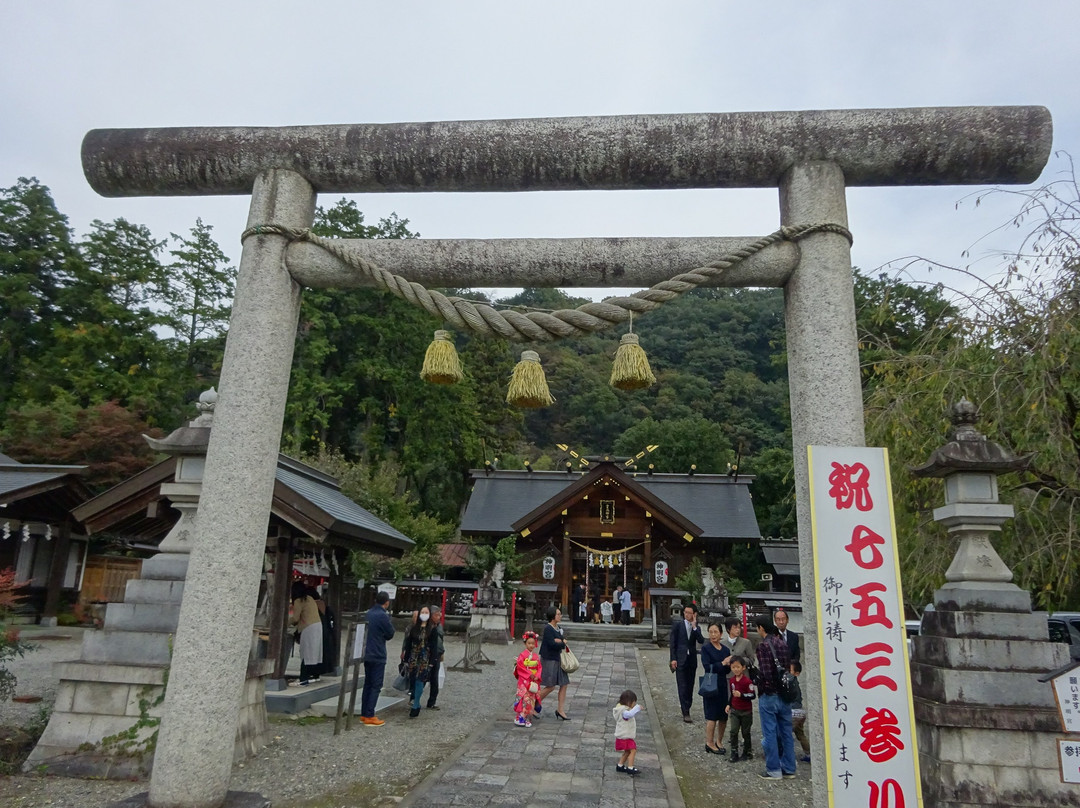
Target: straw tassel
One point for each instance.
(528, 385)
(441, 363)
(631, 370)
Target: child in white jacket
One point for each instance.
(625, 713)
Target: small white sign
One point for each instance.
(1069, 758)
(358, 643)
(660, 572)
(389, 589)
(549, 568)
(1067, 693)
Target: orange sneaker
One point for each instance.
(373, 721)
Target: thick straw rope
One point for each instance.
(538, 326)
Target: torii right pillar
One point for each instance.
(985, 722)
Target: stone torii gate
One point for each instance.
(811, 157)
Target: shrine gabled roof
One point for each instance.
(21, 481)
(344, 515)
(303, 497)
(719, 506)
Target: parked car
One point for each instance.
(1065, 628)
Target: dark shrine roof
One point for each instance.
(719, 505)
(303, 495)
(20, 481)
(783, 556)
(322, 491)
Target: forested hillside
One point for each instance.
(115, 332)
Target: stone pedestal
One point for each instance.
(113, 687)
(986, 725)
(494, 622)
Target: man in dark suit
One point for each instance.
(789, 637)
(683, 644)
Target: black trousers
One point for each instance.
(685, 678)
(433, 685)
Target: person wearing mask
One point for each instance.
(419, 652)
(379, 630)
(683, 642)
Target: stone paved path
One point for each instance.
(562, 763)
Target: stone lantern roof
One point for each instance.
(970, 450)
(193, 438)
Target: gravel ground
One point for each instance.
(307, 767)
(697, 771)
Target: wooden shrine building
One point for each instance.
(606, 525)
(39, 538)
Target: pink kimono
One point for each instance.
(527, 672)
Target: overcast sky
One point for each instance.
(68, 67)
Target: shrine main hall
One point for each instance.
(603, 523)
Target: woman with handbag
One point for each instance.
(715, 658)
(419, 653)
(552, 674)
(527, 673)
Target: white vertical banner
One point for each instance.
(871, 758)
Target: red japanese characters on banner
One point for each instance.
(865, 683)
(850, 485)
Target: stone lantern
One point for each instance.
(188, 445)
(970, 465)
(986, 725)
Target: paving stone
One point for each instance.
(556, 763)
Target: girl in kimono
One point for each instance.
(527, 673)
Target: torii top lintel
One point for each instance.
(918, 146)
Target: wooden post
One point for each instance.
(336, 598)
(57, 569)
(279, 608)
(646, 573)
(567, 566)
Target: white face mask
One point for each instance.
(424, 618)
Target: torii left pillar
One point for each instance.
(201, 707)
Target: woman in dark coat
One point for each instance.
(329, 632)
(551, 673)
(715, 659)
(419, 653)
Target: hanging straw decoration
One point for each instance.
(630, 370)
(528, 386)
(441, 363)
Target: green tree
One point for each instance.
(356, 385)
(1012, 352)
(108, 349)
(682, 442)
(37, 261)
(105, 437)
(376, 487)
(198, 294)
